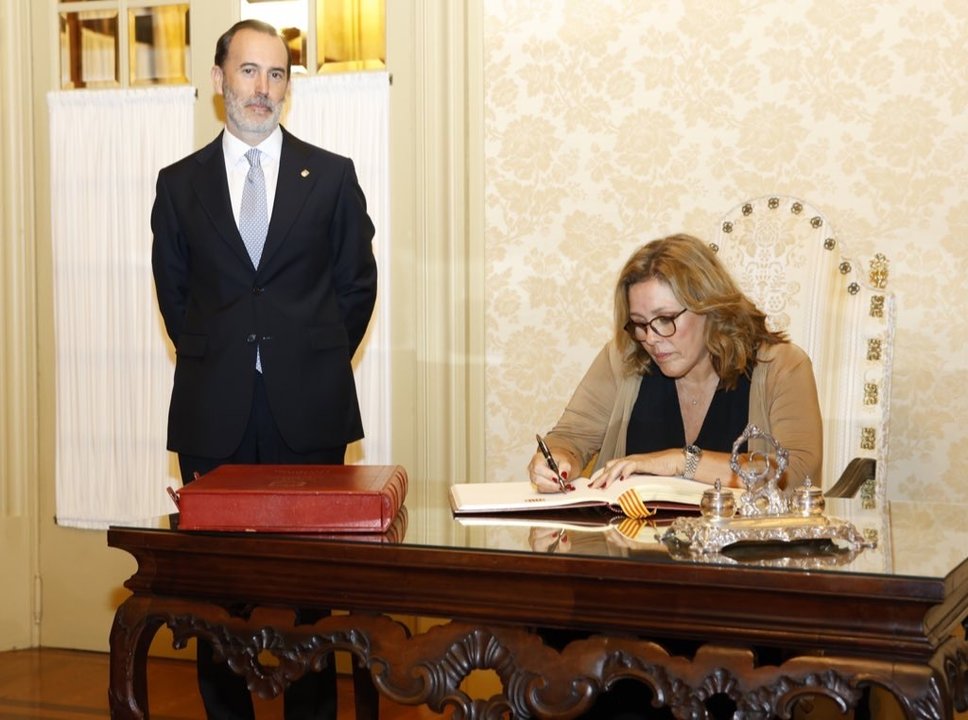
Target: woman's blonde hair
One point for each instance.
(735, 327)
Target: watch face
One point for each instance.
(693, 450)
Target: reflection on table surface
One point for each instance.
(913, 539)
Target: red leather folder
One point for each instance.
(294, 498)
(393, 535)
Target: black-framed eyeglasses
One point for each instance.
(661, 325)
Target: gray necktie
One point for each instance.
(254, 217)
(253, 214)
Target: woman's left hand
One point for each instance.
(663, 462)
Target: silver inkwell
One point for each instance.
(763, 513)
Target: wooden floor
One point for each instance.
(73, 685)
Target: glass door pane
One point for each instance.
(159, 45)
(351, 35)
(289, 17)
(89, 49)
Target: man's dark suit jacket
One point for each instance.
(306, 307)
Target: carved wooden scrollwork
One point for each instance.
(780, 697)
(954, 662)
(536, 679)
(292, 660)
(539, 681)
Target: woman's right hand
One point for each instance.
(542, 477)
(549, 540)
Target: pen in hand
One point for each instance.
(551, 463)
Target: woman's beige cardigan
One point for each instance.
(783, 403)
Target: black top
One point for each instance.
(656, 421)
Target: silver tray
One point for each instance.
(705, 535)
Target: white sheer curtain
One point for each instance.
(349, 114)
(113, 364)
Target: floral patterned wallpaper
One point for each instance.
(612, 122)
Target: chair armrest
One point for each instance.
(858, 471)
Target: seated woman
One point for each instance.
(691, 364)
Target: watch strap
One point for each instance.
(692, 454)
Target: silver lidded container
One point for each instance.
(717, 504)
(808, 500)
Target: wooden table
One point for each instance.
(761, 633)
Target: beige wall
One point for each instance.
(18, 328)
(608, 125)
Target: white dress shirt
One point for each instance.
(237, 167)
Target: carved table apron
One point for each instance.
(839, 633)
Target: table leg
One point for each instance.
(131, 635)
(365, 695)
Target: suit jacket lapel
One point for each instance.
(212, 188)
(293, 186)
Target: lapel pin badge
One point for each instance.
(304, 173)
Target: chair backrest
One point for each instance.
(787, 258)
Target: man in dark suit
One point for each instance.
(266, 280)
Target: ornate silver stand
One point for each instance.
(763, 514)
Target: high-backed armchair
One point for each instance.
(788, 259)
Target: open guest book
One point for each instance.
(636, 496)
